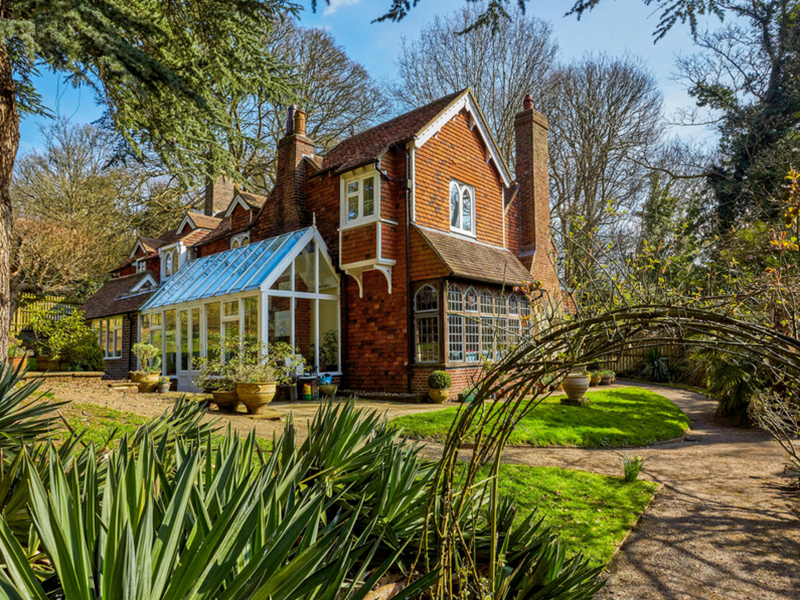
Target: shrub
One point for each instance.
(439, 380)
(85, 354)
(56, 336)
(149, 357)
(632, 466)
(656, 367)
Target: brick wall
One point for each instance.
(117, 368)
(459, 154)
(214, 247)
(463, 378)
(240, 219)
(322, 203)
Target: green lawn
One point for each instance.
(591, 513)
(613, 418)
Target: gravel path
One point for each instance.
(725, 525)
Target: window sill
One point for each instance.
(466, 235)
(359, 223)
(112, 358)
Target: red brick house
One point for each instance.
(393, 255)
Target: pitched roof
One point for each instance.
(252, 200)
(223, 229)
(152, 244)
(474, 260)
(369, 145)
(202, 221)
(115, 298)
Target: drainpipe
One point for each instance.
(409, 295)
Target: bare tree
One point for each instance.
(499, 67)
(605, 125)
(338, 94)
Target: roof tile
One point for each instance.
(115, 298)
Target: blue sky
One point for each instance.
(614, 27)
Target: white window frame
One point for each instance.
(141, 266)
(345, 199)
(111, 331)
(238, 241)
(430, 318)
(461, 188)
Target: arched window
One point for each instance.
(471, 300)
(513, 304)
(426, 299)
(168, 265)
(462, 208)
(487, 302)
(525, 306)
(234, 244)
(426, 325)
(455, 300)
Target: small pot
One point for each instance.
(575, 385)
(327, 389)
(19, 362)
(606, 380)
(162, 387)
(256, 396)
(595, 380)
(226, 401)
(439, 396)
(147, 383)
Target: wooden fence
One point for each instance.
(632, 361)
(57, 307)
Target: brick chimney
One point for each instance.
(218, 195)
(530, 132)
(286, 210)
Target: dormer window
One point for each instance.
(140, 266)
(360, 198)
(168, 265)
(240, 241)
(462, 208)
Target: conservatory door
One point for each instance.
(189, 328)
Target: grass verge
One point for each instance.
(591, 513)
(616, 417)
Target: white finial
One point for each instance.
(314, 219)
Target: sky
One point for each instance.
(615, 27)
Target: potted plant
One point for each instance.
(259, 368)
(575, 385)
(326, 386)
(607, 377)
(17, 354)
(595, 377)
(214, 378)
(163, 384)
(146, 378)
(439, 383)
(329, 351)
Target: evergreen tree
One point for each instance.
(158, 67)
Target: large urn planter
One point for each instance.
(147, 383)
(256, 396)
(226, 401)
(439, 396)
(135, 376)
(19, 362)
(575, 385)
(327, 389)
(595, 379)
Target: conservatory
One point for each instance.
(282, 289)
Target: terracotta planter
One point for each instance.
(226, 401)
(439, 396)
(327, 389)
(575, 385)
(256, 396)
(606, 380)
(147, 383)
(595, 380)
(19, 362)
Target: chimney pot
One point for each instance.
(527, 103)
(290, 119)
(300, 122)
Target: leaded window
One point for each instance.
(427, 299)
(472, 339)
(471, 300)
(462, 208)
(487, 301)
(455, 337)
(487, 337)
(455, 300)
(513, 304)
(426, 325)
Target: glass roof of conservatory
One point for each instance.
(231, 272)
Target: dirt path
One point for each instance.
(725, 525)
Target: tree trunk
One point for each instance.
(9, 144)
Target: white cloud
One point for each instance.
(335, 5)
